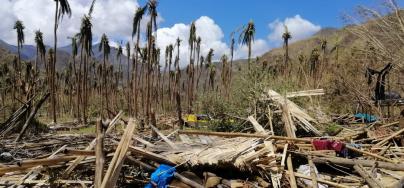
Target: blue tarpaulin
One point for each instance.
(162, 176)
(367, 117)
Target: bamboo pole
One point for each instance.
(370, 154)
(381, 143)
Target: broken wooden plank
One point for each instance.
(22, 165)
(257, 127)
(111, 176)
(168, 141)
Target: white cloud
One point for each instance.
(299, 28)
(259, 47)
(210, 33)
(115, 21)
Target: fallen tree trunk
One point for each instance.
(31, 116)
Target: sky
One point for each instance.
(215, 20)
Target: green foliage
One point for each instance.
(333, 129)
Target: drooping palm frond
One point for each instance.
(119, 52)
(19, 27)
(209, 57)
(192, 36)
(39, 42)
(74, 46)
(286, 35)
(104, 45)
(90, 11)
(248, 33)
(152, 10)
(137, 18)
(128, 49)
(86, 35)
(64, 8)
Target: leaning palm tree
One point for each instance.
(286, 36)
(106, 49)
(19, 27)
(62, 8)
(247, 38)
(136, 31)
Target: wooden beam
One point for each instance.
(99, 155)
(22, 165)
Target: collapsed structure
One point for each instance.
(270, 155)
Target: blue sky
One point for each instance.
(230, 14)
(215, 20)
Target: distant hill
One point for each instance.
(28, 53)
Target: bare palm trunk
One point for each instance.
(53, 96)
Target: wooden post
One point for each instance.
(99, 155)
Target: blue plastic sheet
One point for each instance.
(367, 117)
(162, 176)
